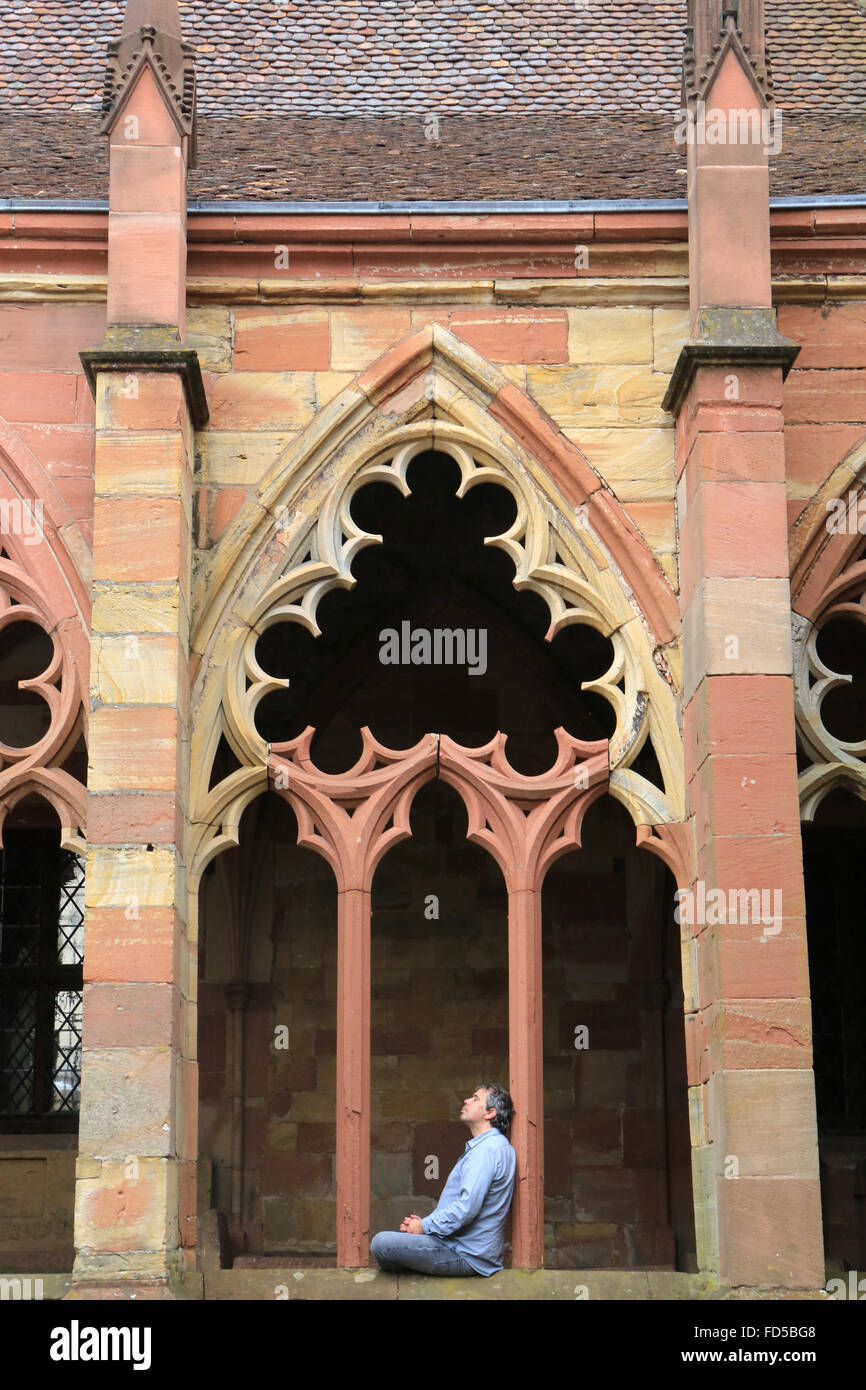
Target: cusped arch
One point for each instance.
(44, 579)
(828, 580)
(524, 822)
(821, 549)
(571, 543)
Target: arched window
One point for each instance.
(41, 957)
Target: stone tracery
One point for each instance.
(275, 565)
(286, 558)
(39, 585)
(829, 584)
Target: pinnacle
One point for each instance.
(161, 15)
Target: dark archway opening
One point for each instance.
(834, 848)
(267, 1042)
(434, 572)
(618, 1188)
(440, 1002)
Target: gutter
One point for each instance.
(264, 207)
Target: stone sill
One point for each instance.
(559, 1285)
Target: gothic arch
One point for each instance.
(818, 554)
(44, 580)
(524, 822)
(571, 543)
(828, 581)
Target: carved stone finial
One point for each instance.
(716, 26)
(151, 37)
(161, 15)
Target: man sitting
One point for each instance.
(466, 1232)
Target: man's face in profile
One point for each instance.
(475, 1107)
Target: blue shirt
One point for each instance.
(472, 1210)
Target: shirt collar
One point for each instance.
(478, 1138)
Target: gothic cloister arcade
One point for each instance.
(439, 528)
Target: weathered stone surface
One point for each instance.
(312, 1285)
(736, 626)
(261, 400)
(127, 1103)
(135, 670)
(227, 457)
(131, 878)
(767, 1233)
(514, 335)
(139, 539)
(132, 1015)
(770, 1122)
(130, 1216)
(145, 948)
(144, 464)
(132, 608)
(269, 340)
(637, 464)
(359, 336)
(134, 748)
(209, 331)
(670, 330)
(22, 1186)
(608, 336)
(599, 397)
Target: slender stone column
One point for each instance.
(353, 1077)
(352, 819)
(751, 1086)
(135, 1194)
(526, 1052)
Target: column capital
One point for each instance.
(149, 348)
(729, 337)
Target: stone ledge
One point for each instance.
(314, 1285)
(729, 338)
(149, 348)
(340, 1285)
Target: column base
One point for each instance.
(186, 1287)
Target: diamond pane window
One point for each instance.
(41, 954)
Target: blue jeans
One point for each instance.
(397, 1251)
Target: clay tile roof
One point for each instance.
(337, 98)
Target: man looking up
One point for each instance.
(466, 1233)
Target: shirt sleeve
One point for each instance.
(444, 1221)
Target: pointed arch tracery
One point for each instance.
(828, 582)
(524, 822)
(570, 543)
(41, 582)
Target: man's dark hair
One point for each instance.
(499, 1100)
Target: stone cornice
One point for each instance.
(149, 348)
(730, 338)
(613, 290)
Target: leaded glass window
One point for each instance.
(41, 956)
